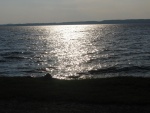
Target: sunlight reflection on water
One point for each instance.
(71, 47)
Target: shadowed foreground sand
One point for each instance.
(40, 95)
(65, 107)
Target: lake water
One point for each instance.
(75, 51)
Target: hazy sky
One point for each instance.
(32, 11)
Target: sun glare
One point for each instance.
(71, 48)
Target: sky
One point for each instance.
(47, 11)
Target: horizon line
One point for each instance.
(111, 21)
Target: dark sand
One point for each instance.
(108, 95)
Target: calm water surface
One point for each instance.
(80, 51)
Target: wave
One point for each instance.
(27, 70)
(2, 61)
(117, 70)
(14, 55)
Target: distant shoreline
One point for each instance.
(127, 21)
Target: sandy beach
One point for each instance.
(107, 95)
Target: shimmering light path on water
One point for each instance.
(75, 51)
